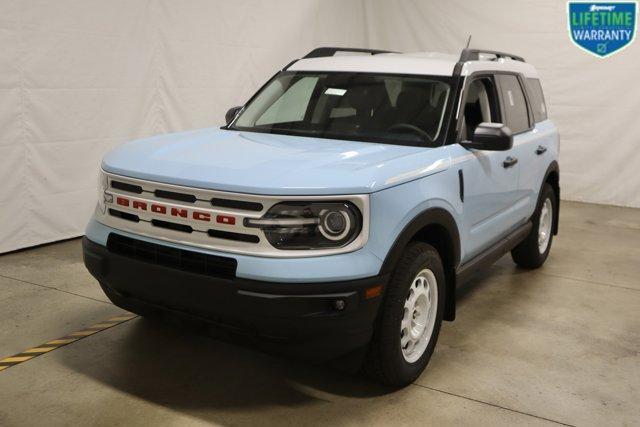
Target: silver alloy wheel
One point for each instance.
(419, 315)
(544, 225)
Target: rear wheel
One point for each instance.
(410, 318)
(533, 251)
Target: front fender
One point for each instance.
(400, 214)
(398, 211)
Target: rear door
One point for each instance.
(526, 140)
(536, 152)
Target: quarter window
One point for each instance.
(514, 103)
(537, 100)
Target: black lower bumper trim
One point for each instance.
(317, 321)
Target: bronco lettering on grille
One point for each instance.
(174, 212)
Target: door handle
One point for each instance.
(541, 149)
(509, 161)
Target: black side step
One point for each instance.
(494, 253)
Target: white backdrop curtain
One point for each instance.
(595, 102)
(78, 77)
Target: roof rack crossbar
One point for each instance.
(474, 55)
(331, 51)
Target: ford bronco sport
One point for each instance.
(337, 210)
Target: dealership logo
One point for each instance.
(602, 29)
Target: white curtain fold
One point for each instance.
(78, 77)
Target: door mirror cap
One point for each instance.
(232, 113)
(490, 136)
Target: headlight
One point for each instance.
(103, 184)
(310, 225)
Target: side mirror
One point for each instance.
(232, 113)
(490, 136)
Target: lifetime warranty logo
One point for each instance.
(602, 29)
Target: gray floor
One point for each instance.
(556, 345)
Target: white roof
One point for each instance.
(419, 63)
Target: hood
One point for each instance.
(258, 163)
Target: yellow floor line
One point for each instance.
(39, 349)
(16, 359)
(83, 333)
(62, 341)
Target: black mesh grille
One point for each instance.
(126, 187)
(190, 198)
(165, 256)
(124, 215)
(240, 237)
(237, 204)
(172, 226)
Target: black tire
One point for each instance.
(385, 362)
(527, 254)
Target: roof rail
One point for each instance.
(474, 55)
(331, 51)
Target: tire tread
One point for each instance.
(378, 363)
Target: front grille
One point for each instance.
(203, 217)
(180, 259)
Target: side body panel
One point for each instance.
(535, 152)
(491, 207)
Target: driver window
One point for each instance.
(480, 106)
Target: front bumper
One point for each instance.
(297, 319)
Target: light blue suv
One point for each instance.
(334, 214)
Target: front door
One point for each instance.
(490, 178)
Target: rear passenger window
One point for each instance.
(534, 90)
(515, 106)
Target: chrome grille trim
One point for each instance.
(200, 236)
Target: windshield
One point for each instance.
(380, 108)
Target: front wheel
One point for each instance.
(410, 318)
(533, 251)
